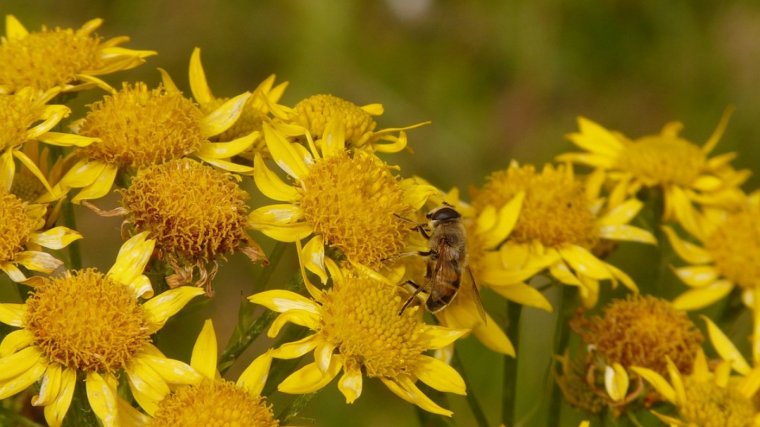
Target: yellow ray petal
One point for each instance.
(585, 263)
(726, 348)
(7, 170)
(436, 337)
(129, 416)
(225, 150)
(313, 255)
(100, 187)
(66, 139)
(55, 238)
(298, 317)
(270, 184)
(227, 165)
(161, 307)
(697, 276)
(405, 389)
(51, 116)
(749, 385)
(24, 380)
(275, 215)
(13, 314)
(224, 117)
(525, 295)
(616, 382)
(596, 139)
(146, 385)
(286, 157)
(102, 399)
(15, 341)
(172, 371)
(618, 274)
(658, 382)
(33, 168)
(204, 354)
(718, 132)
(350, 383)
(167, 81)
(38, 261)
(295, 349)
(627, 233)
(14, 30)
(82, 174)
(439, 375)
(688, 251)
(198, 84)
(55, 412)
(676, 381)
(133, 256)
(334, 138)
(622, 213)
(50, 386)
(506, 219)
(281, 301)
(141, 287)
(323, 355)
(18, 363)
(697, 298)
(255, 375)
(310, 378)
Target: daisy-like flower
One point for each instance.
(61, 58)
(215, 401)
(726, 258)
(561, 221)
(92, 325)
(348, 200)
(358, 329)
(683, 171)
(25, 116)
(138, 127)
(22, 235)
(313, 115)
(197, 215)
(262, 103)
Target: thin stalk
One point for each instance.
(509, 381)
(475, 408)
(561, 337)
(295, 407)
(80, 413)
(70, 220)
(262, 279)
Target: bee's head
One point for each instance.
(443, 214)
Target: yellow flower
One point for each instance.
(215, 401)
(21, 236)
(196, 214)
(726, 259)
(313, 116)
(92, 324)
(358, 329)
(262, 102)
(682, 170)
(347, 200)
(61, 58)
(24, 116)
(139, 127)
(561, 221)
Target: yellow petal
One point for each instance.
(439, 375)
(14, 30)
(334, 138)
(224, 117)
(298, 317)
(227, 165)
(622, 213)
(270, 184)
(141, 287)
(161, 307)
(616, 382)
(21, 382)
(323, 355)
(436, 337)
(66, 139)
(695, 299)
(82, 174)
(309, 378)
(525, 295)
(198, 84)
(697, 276)
(132, 258)
(168, 82)
(100, 187)
(585, 263)
(50, 386)
(281, 214)
(102, 399)
(726, 348)
(313, 255)
(618, 274)
(51, 116)
(255, 375)
(146, 385)
(286, 157)
(627, 233)
(18, 363)
(225, 150)
(749, 385)
(404, 388)
(204, 354)
(373, 109)
(295, 349)
(32, 166)
(129, 416)
(505, 221)
(55, 411)
(689, 252)
(38, 261)
(7, 170)
(718, 132)
(55, 238)
(172, 371)
(596, 139)
(676, 381)
(350, 384)
(13, 314)
(281, 301)
(15, 341)
(658, 382)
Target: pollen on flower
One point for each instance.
(15, 226)
(555, 211)
(17, 113)
(47, 58)
(734, 246)
(85, 321)
(213, 404)
(140, 126)
(357, 205)
(642, 331)
(663, 159)
(360, 317)
(315, 112)
(192, 210)
(709, 405)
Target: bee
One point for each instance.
(446, 261)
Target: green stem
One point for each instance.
(477, 410)
(69, 219)
(80, 413)
(262, 279)
(561, 337)
(509, 382)
(295, 407)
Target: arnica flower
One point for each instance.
(92, 325)
(312, 117)
(21, 237)
(215, 401)
(139, 127)
(25, 116)
(680, 169)
(197, 215)
(642, 331)
(259, 107)
(350, 201)
(561, 221)
(61, 58)
(726, 258)
(358, 329)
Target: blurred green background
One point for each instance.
(500, 80)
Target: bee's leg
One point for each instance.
(406, 254)
(420, 228)
(417, 290)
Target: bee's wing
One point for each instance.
(476, 298)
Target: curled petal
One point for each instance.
(350, 384)
(225, 116)
(160, 308)
(281, 301)
(102, 397)
(255, 375)
(55, 411)
(310, 378)
(55, 238)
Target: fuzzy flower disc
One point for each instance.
(351, 200)
(15, 226)
(191, 209)
(361, 318)
(734, 246)
(86, 321)
(315, 112)
(17, 113)
(214, 404)
(663, 159)
(709, 405)
(555, 211)
(140, 126)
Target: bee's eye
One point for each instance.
(443, 214)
